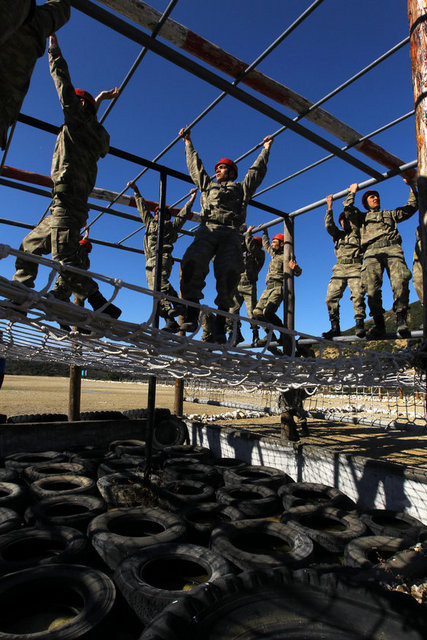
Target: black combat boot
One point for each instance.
(402, 324)
(378, 330)
(289, 430)
(360, 328)
(263, 341)
(334, 331)
(238, 338)
(191, 319)
(304, 429)
(171, 326)
(97, 300)
(219, 330)
(255, 336)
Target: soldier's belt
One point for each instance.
(68, 189)
(382, 243)
(350, 261)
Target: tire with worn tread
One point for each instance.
(8, 475)
(20, 461)
(118, 533)
(179, 494)
(201, 519)
(38, 417)
(12, 496)
(62, 485)
(254, 501)
(258, 544)
(297, 494)
(152, 578)
(168, 432)
(385, 522)
(118, 465)
(129, 447)
(74, 511)
(202, 454)
(256, 475)
(59, 602)
(192, 471)
(269, 604)
(367, 551)
(9, 520)
(45, 469)
(123, 490)
(102, 415)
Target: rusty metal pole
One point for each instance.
(417, 15)
(75, 385)
(288, 284)
(178, 405)
(151, 400)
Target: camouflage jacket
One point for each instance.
(171, 230)
(225, 203)
(19, 54)
(80, 142)
(378, 228)
(253, 259)
(346, 242)
(275, 269)
(13, 14)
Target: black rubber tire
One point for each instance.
(321, 523)
(118, 465)
(222, 464)
(8, 475)
(9, 520)
(201, 519)
(74, 511)
(102, 415)
(202, 454)
(20, 461)
(128, 447)
(368, 551)
(118, 533)
(298, 494)
(34, 546)
(254, 501)
(3, 418)
(38, 417)
(12, 496)
(172, 431)
(125, 490)
(59, 602)
(257, 475)
(177, 495)
(259, 544)
(182, 460)
(45, 469)
(385, 522)
(62, 485)
(152, 578)
(257, 605)
(192, 471)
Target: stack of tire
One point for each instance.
(92, 546)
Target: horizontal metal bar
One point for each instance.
(196, 69)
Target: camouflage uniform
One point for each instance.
(253, 259)
(273, 295)
(12, 15)
(62, 289)
(347, 270)
(171, 230)
(19, 54)
(80, 143)
(417, 268)
(223, 212)
(381, 247)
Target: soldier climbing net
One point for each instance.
(30, 318)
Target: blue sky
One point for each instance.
(334, 43)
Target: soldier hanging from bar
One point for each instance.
(79, 145)
(346, 272)
(382, 250)
(223, 202)
(167, 309)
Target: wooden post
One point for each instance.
(178, 406)
(288, 285)
(75, 385)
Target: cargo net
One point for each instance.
(30, 324)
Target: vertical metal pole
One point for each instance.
(418, 39)
(74, 392)
(288, 276)
(151, 400)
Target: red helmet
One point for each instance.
(86, 244)
(279, 236)
(258, 240)
(87, 96)
(230, 163)
(366, 196)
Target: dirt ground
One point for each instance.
(34, 394)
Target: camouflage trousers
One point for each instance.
(417, 277)
(59, 236)
(165, 306)
(246, 293)
(343, 276)
(391, 260)
(223, 245)
(271, 299)
(12, 15)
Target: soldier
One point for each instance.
(224, 204)
(80, 143)
(291, 402)
(273, 295)
(382, 249)
(347, 271)
(2, 363)
(417, 268)
(253, 260)
(167, 309)
(20, 48)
